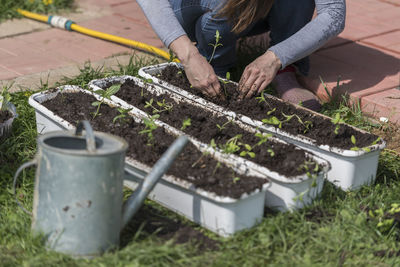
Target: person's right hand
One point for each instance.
(201, 75)
(199, 72)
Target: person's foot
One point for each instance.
(289, 89)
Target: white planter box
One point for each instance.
(284, 192)
(350, 169)
(222, 215)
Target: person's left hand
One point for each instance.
(258, 74)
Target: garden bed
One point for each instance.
(352, 152)
(288, 167)
(222, 199)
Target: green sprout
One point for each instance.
(225, 82)
(235, 179)
(217, 44)
(248, 151)
(150, 126)
(122, 115)
(186, 123)
(272, 121)
(231, 146)
(336, 121)
(216, 167)
(307, 124)
(161, 106)
(105, 94)
(222, 127)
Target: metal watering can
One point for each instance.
(78, 198)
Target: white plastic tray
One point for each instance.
(284, 192)
(350, 169)
(222, 215)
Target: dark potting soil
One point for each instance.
(5, 115)
(286, 159)
(191, 165)
(148, 220)
(322, 130)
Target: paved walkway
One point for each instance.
(365, 57)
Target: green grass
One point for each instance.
(336, 230)
(8, 8)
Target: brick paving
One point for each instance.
(365, 57)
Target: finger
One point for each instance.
(252, 91)
(216, 87)
(256, 87)
(262, 87)
(251, 86)
(242, 81)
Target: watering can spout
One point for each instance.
(135, 201)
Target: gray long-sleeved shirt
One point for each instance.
(328, 23)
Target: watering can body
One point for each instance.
(78, 197)
(78, 201)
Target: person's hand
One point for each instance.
(199, 72)
(258, 74)
(201, 75)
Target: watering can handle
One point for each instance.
(20, 169)
(90, 141)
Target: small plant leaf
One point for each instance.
(353, 139)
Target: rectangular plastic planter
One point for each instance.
(349, 169)
(284, 192)
(222, 215)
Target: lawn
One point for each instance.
(340, 228)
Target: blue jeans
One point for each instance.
(285, 18)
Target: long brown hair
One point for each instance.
(241, 13)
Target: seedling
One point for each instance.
(248, 151)
(205, 153)
(122, 115)
(217, 44)
(231, 146)
(105, 94)
(262, 99)
(216, 167)
(354, 141)
(162, 106)
(272, 121)
(222, 127)
(356, 148)
(307, 124)
(311, 172)
(235, 179)
(225, 82)
(337, 120)
(186, 123)
(150, 126)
